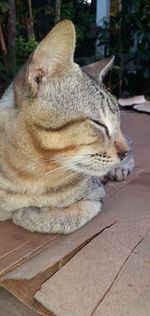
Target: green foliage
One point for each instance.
(79, 13)
(68, 10)
(3, 10)
(127, 36)
(24, 48)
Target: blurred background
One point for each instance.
(104, 28)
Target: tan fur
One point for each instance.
(63, 130)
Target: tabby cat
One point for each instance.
(58, 136)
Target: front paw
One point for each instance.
(5, 212)
(95, 190)
(121, 172)
(54, 220)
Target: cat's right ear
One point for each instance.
(99, 69)
(53, 56)
(108, 66)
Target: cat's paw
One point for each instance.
(121, 172)
(5, 213)
(53, 220)
(95, 190)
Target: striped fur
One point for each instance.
(60, 135)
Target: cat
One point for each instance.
(59, 135)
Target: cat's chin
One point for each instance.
(99, 172)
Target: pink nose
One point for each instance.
(121, 147)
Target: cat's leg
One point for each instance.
(120, 172)
(4, 215)
(4, 212)
(10, 202)
(51, 220)
(63, 220)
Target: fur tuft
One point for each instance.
(56, 141)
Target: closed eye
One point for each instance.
(102, 125)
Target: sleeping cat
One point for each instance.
(59, 136)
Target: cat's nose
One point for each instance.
(121, 147)
(122, 155)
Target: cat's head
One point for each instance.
(71, 116)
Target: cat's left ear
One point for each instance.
(53, 56)
(99, 69)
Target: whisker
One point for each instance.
(35, 164)
(60, 169)
(64, 157)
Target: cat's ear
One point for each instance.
(108, 66)
(99, 69)
(53, 55)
